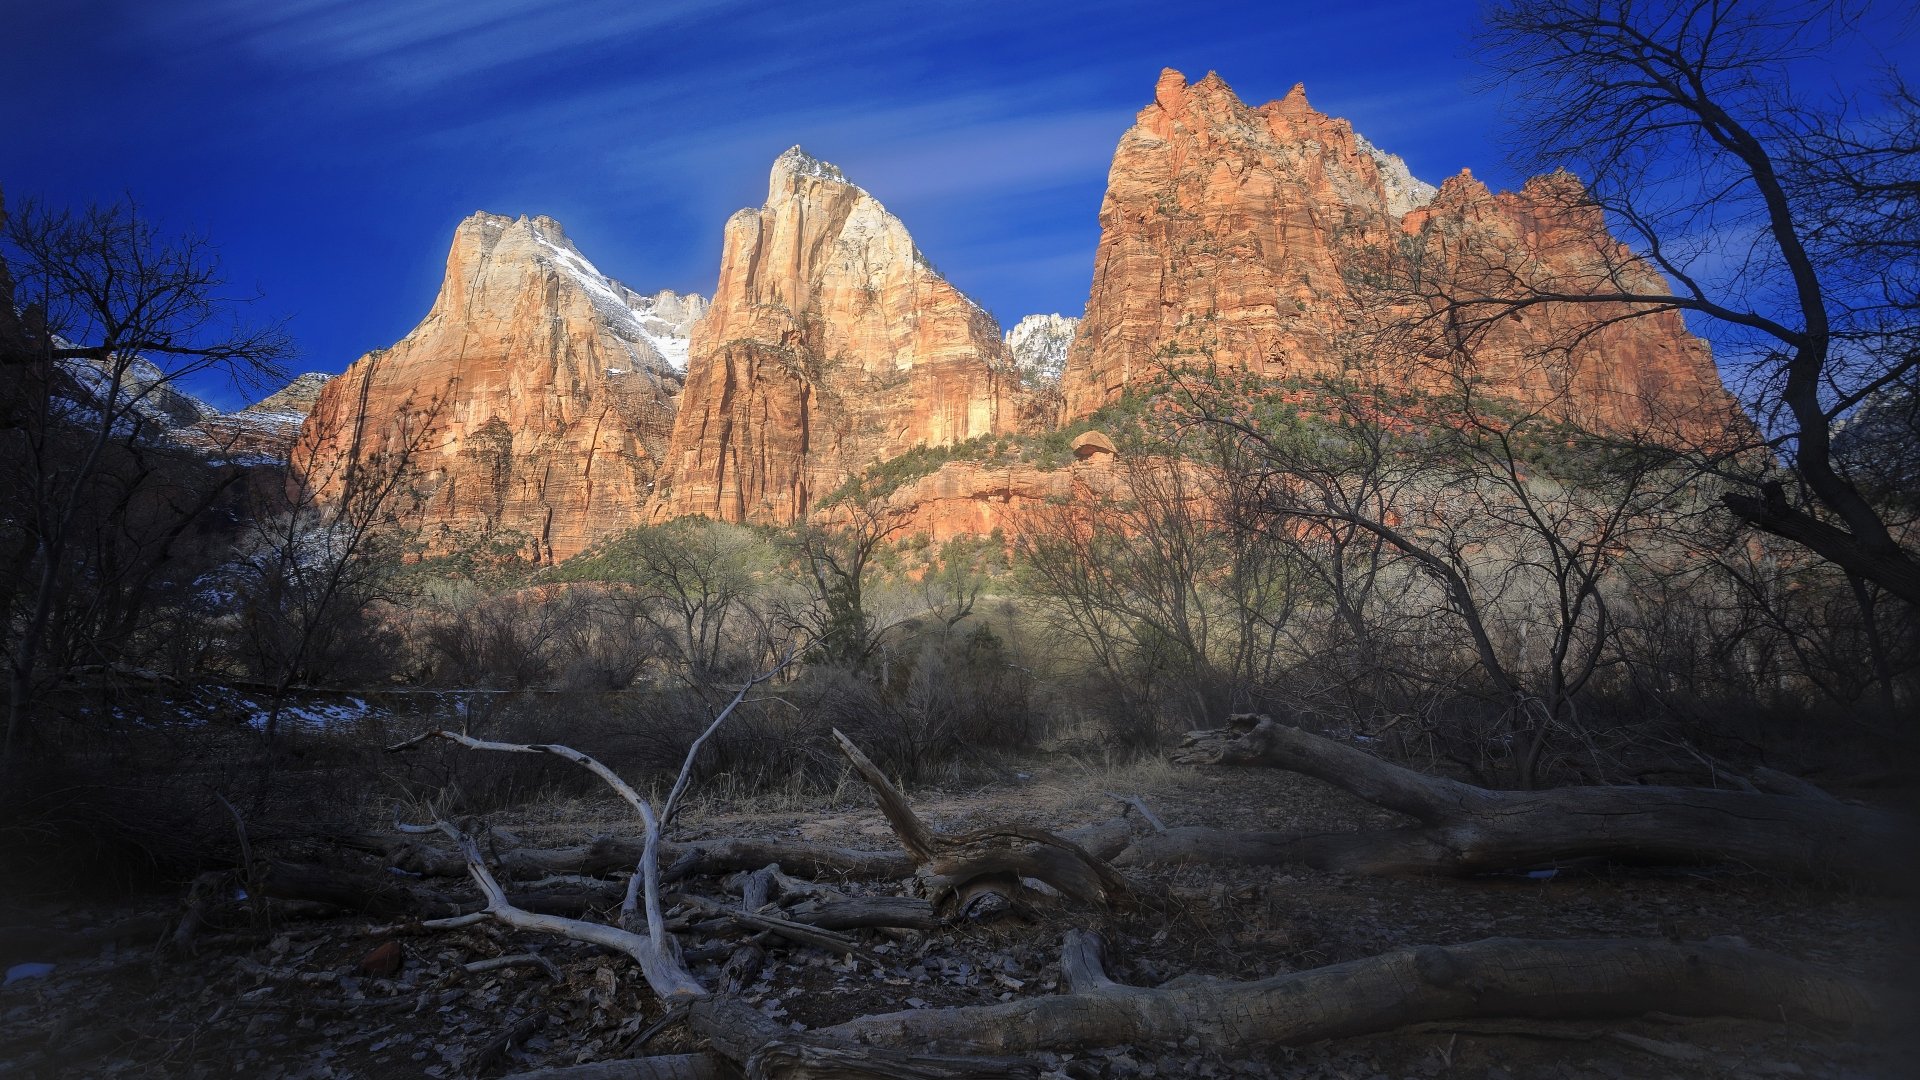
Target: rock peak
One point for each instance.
(830, 344)
(1213, 82)
(795, 161)
(1296, 205)
(558, 385)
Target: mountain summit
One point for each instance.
(831, 343)
(1256, 240)
(536, 396)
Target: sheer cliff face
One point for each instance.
(1267, 239)
(830, 344)
(536, 397)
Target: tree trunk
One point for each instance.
(1467, 830)
(1497, 977)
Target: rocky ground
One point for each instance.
(332, 996)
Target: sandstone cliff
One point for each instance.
(831, 344)
(535, 398)
(1267, 240)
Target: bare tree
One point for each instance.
(1787, 228)
(1524, 546)
(1182, 613)
(695, 580)
(104, 319)
(305, 572)
(836, 561)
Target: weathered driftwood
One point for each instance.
(1467, 830)
(765, 1049)
(657, 952)
(998, 856)
(741, 1034)
(1497, 977)
(664, 1067)
(609, 855)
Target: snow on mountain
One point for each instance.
(1039, 344)
(655, 328)
(144, 391)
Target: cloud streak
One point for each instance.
(420, 43)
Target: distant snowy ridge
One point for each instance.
(294, 399)
(144, 390)
(1040, 343)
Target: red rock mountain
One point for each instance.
(535, 398)
(1245, 237)
(831, 344)
(544, 405)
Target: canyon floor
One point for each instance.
(288, 1001)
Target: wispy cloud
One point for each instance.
(418, 43)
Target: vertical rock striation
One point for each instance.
(831, 344)
(535, 398)
(1270, 240)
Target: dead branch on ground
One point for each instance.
(1464, 829)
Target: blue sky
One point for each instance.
(328, 147)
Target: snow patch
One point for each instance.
(654, 328)
(1040, 344)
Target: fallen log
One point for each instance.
(664, 1067)
(855, 913)
(1496, 977)
(1469, 830)
(609, 855)
(384, 896)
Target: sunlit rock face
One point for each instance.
(536, 398)
(1269, 241)
(831, 344)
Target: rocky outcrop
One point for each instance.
(1607, 367)
(533, 403)
(265, 431)
(969, 498)
(1269, 240)
(294, 400)
(831, 344)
